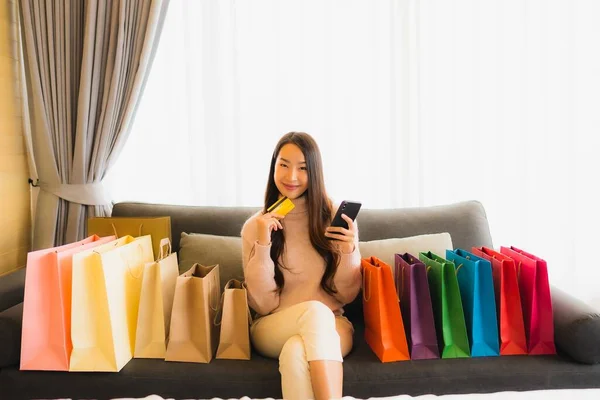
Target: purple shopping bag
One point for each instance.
(413, 291)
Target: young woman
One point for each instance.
(300, 272)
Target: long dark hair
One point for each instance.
(319, 210)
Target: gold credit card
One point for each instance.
(281, 206)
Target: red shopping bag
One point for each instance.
(384, 330)
(508, 301)
(536, 301)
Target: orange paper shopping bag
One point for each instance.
(46, 336)
(384, 329)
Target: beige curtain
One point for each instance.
(85, 66)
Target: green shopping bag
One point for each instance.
(447, 306)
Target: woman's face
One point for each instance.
(291, 175)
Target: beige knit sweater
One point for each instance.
(305, 267)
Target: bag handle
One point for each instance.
(250, 319)
(245, 288)
(114, 230)
(220, 310)
(117, 235)
(396, 274)
(365, 286)
(400, 287)
(216, 283)
(139, 247)
(165, 242)
(458, 268)
(219, 314)
(115, 245)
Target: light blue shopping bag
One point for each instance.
(479, 303)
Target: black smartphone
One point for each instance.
(350, 208)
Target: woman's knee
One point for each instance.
(317, 312)
(293, 353)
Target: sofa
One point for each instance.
(577, 331)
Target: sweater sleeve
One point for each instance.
(259, 271)
(347, 279)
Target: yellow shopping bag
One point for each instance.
(104, 304)
(156, 303)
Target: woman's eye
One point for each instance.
(303, 168)
(283, 165)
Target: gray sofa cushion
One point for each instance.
(576, 327)
(212, 249)
(10, 335)
(385, 249)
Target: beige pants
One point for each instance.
(301, 333)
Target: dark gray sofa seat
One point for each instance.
(364, 375)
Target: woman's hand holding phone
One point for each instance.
(345, 236)
(342, 225)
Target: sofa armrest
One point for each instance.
(576, 327)
(11, 322)
(12, 288)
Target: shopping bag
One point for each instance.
(447, 306)
(415, 304)
(194, 335)
(105, 301)
(46, 334)
(535, 300)
(156, 303)
(235, 320)
(157, 227)
(476, 286)
(384, 329)
(508, 301)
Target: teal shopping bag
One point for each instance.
(479, 304)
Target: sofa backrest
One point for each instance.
(465, 221)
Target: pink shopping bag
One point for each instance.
(46, 336)
(536, 301)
